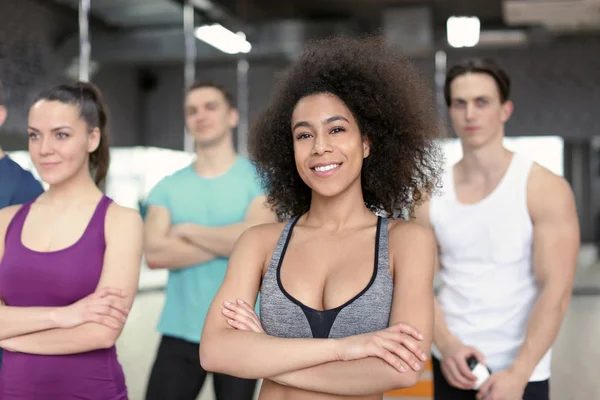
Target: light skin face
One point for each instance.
(477, 113)
(326, 136)
(60, 141)
(208, 117)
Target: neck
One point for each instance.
(2, 153)
(487, 161)
(215, 160)
(80, 189)
(344, 211)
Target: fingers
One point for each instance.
(486, 388)
(407, 329)
(407, 341)
(464, 370)
(382, 352)
(455, 377)
(107, 291)
(105, 310)
(241, 312)
(401, 352)
(240, 326)
(105, 320)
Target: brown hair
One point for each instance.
(480, 65)
(89, 99)
(207, 84)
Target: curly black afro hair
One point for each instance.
(393, 106)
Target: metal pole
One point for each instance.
(190, 60)
(84, 41)
(243, 94)
(440, 77)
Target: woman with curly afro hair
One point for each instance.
(346, 292)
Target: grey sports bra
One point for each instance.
(282, 315)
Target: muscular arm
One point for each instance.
(412, 252)
(121, 267)
(555, 251)
(165, 251)
(220, 240)
(246, 354)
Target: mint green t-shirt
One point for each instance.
(223, 200)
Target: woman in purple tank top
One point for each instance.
(69, 261)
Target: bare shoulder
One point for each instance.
(548, 193)
(410, 236)
(6, 215)
(123, 221)
(264, 236)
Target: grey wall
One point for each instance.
(163, 104)
(28, 33)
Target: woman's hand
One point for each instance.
(104, 307)
(242, 317)
(397, 345)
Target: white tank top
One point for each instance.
(488, 287)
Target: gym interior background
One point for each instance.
(143, 52)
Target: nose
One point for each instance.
(46, 146)
(321, 144)
(470, 111)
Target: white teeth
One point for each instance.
(326, 167)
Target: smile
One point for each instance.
(325, 168)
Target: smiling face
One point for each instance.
(328, 146)
(209, 117)
(476, 110)
(60, 141)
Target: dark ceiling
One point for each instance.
(488, 11)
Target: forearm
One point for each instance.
(254, 355)
(81, 339)
(17, 321)
(219, 239)
(175, 253)
(442, 337)
(543, 327)
(350, 378)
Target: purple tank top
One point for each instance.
(55, 279)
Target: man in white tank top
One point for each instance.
(508, 238)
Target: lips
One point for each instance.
(325, 170)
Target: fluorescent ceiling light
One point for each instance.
(223, 39)
(463, 31)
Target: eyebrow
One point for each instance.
(58, 128)
(324, 122)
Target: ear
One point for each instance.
(2, 114)
(234, 118)
(94, 140)
(507, 110)
(366, 147)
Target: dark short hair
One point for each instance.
(393, 106)
(207, 84)
(479, 65)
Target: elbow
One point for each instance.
(106, 338)
(406, 380)
(209, 356)
(153, 260)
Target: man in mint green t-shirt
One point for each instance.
(193, 220)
